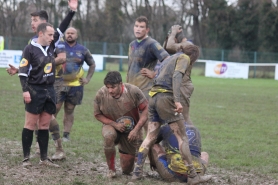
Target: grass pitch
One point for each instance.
(237, 119)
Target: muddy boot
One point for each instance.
(198, 179)
(137, 173)
(26, 163)
(59, 154)
(48, 163)
(111, 174)
(194, 178)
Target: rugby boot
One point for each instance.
(59, 154)
(26, 163)
(137, 173)
(48, 162)
(195, 178)
(198, 179)
(111, 174)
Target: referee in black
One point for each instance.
(37, 76)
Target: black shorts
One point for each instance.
(70, 94)
(42, 99)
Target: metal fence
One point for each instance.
(18, 43)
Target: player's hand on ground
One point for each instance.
(119, 127)
(179, 107)
(73, 4)
(176, 29)
(83, 81)
(26, 97)
(12, 70)
(148, 73)
(132, 136)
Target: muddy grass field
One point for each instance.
(75, 171)
(237, 120)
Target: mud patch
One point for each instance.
(77, 170)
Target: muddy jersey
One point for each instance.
(37, 63)
(61, 48)
(143, 54)
(72, 70)
(163, 80)
(126, 105)
(170, 143)
(186, 86)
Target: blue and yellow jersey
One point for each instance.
(143, 54)
(72, 70)
(170, 143)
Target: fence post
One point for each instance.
(121, 60)
(6, 43)
(255, 61)
(222, 55)
(104, 51)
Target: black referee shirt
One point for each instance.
(38, 64)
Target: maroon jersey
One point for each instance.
(126, 105)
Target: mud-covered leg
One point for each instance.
(153, 130)
(55, 133)
(109, 135)
(127, 163)
(68, 119)
(160, 164)
(179, 131)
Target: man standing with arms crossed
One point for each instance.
(69, 82)
(36, 19)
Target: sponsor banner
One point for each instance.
(226, 69)
(99, 63)
(13, 57)
(10, 57)
(276, 72)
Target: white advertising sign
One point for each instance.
(10, 57)
(13, 57)
(226, 70)
(99, 63)
(276, 72)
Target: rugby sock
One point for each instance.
(142, 155)
(43, 137)
(110, 158)
(27, 138)
(66, 135)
